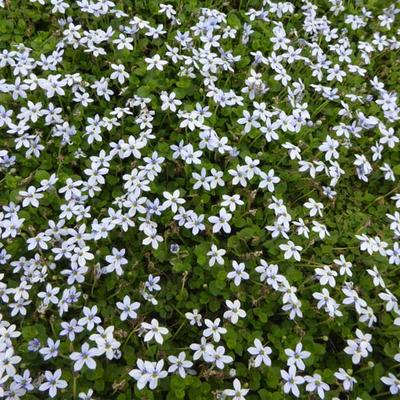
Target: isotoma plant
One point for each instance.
(199, 199)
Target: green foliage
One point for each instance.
(188, 282)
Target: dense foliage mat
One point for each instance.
(199, 199)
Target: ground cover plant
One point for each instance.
(199, 199)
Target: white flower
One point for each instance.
(213, 329)
(315, 384)
(202, 180)
(231, 201)
(237, 393)
(173, 200)
(194, 317)
(268, 180)
(154, 331)
(345, 266)
(291, 250)
(155, 373)
(148, 373)
(31, 197)
(85, 357)
(169, 101)
(119, 73)
(392, 381)
(221, 222)
(296, 356)
(377, 277)
(216, 256)
(140, 374)
(53, 383)
(70, 329)
(128, 309)
(329, 148)
(348, 381)
(51, 351)
(291, 381)
(152, 238)
(7, 361)
(359, 347)
(234, 311)
(179, 364)
(326, 275)
(116, 261)
(90, 318)
(86, 396)
(218, 357)
(260, 353)
(238, 273)
(155, 62)
(201, 349)
(314, 207)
